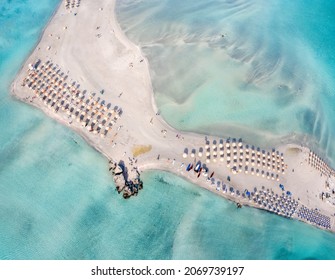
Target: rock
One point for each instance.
(132, 185)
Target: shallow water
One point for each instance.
(257, 69)
(171, 219)
(57, 200)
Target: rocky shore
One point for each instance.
(126, 180)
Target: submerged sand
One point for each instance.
(87, 44)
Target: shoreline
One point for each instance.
(10, 89)
(108, 61)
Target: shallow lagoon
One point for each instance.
(261, 70)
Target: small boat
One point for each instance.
(197, 167)
(189, 167)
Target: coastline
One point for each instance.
(33, 48)
(121, 64)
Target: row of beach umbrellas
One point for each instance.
(283, 204)
(319, 164)
(72, 4)
(267, 199)
(315, 217)
(240, 157)
(50, 85)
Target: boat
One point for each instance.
(189, 167)
(197, 167)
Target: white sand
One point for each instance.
(92, 47)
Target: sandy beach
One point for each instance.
(107, 77)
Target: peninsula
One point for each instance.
(87, 75)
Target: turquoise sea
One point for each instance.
(57, 200)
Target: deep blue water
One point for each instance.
(57, 200)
